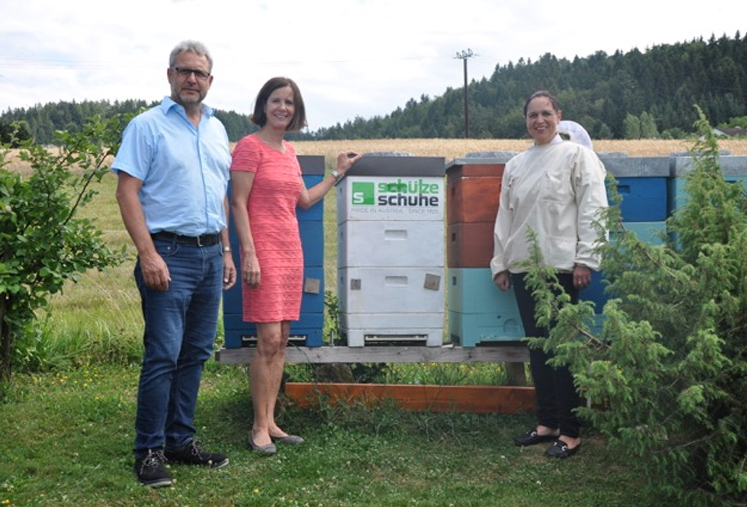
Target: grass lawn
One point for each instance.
(67, 440)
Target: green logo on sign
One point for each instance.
(363, 193)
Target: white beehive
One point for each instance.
(391, 254)
(388, 243)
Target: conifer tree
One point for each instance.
(667, 376)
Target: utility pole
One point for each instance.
(464, 56)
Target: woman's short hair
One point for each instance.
(259, 117)
(541, 93)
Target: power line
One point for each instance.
(464, 56)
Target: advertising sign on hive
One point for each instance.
(399, 198)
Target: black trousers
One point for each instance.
(554, 390)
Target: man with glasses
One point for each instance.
(173, 174)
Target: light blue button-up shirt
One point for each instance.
(184, 169)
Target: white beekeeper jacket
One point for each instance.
(558, 191)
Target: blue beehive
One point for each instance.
(308, 330)
(648, 232)
(479, 312)
(642, 185)
(734, 169)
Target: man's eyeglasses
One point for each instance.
(186, 72)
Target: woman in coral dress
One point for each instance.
(266, 187)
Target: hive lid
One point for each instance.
(636, 167)
(311, 164)
(731, 165)
(397, 165)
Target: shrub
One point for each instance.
(44, 240)
(668, 374)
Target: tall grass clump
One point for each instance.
(446, 374)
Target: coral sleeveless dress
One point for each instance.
(274, 225)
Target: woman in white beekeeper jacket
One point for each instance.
(555, 188)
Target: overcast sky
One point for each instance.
(350, 57)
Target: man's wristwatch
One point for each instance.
(337, 176)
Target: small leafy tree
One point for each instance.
(668, 375)
(640, 127)
(632, 127)
(43, 240)
(648, 126)
(14, 133)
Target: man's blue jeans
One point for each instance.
(180, 329)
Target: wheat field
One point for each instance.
(452, 149)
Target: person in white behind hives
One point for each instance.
(556, 188)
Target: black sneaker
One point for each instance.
(191, 454)
(150, 469)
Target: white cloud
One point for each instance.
(350, 57)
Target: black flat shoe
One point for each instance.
(532, 438)
(560, 450)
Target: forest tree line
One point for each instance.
(638, 94)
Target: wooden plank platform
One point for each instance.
(499, 353)
(431, 398)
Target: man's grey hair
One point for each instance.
(191, 46)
